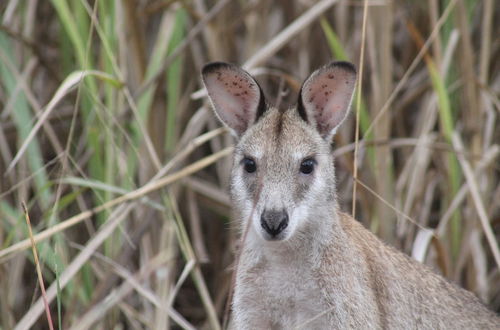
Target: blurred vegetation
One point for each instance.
(107, 137)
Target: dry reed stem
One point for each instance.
(476, 197)
(132, 282)
(148, 294)
(135, 194)
(407, 217)
(358, 106)
(208, 190)
(181, 47)
(188, 252)
(195, 223)
(288, 33)
(72, 81)
(485, 51)
(22, 85)
(413, 65)
(489, 157)
(188, 149)
(393, 143)
(38, 268)
(76, 264)
(126, 91)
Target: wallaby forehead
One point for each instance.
(281, 134)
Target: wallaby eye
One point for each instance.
(307, 166)
(249, 165)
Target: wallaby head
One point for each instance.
(283, 172)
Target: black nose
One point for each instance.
(274, 221)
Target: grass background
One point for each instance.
(106, 136)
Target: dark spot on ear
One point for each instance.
(347, 82)
(237, 94)
(225, 84)
(240, 126)
(234, 83)
(331, 76)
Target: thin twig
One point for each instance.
(489, 157)
(180, 48)
(401, 213)
(288, 33)
(135, 194)
(38, 269)
(358, 107)
(413, 65)
(476, 197)
(114, 220)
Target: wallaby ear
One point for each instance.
(236, 97)
(325, 97)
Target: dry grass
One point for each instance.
(107, 137)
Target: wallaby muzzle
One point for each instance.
(274, 222)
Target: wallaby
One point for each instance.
(305, 264)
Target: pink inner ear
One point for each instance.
(235, 96)
(327, 95)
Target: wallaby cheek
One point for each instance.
(302, 187)
(238, 193)
(331, 187)
(299, 217)
(251, 190)
(320, 190)
(244, 199)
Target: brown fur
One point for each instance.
(401, 292)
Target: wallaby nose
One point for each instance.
(274, 221)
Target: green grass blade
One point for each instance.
(174, 76)
(23, 119)
(447, 128)
(339, 53)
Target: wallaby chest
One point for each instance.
(280, 294)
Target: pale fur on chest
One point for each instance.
(309, 285)
(274, 293)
